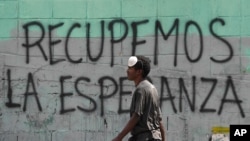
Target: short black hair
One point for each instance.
(144, 64)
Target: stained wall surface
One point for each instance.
(63, 66)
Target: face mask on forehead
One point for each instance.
(133, 60)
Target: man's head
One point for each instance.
(140, 64)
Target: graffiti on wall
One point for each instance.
(135, 42)
(31, 88)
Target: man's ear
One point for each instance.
(139, 71)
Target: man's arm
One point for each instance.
(129, 126)
(162, 131)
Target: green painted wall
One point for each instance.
(229, 20)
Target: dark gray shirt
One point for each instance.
(145, 103)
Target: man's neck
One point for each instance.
(137, 81)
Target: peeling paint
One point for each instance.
(36, 122)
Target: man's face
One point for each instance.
(132, 73)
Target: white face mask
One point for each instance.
(132, 61)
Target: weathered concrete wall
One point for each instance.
(63, 66)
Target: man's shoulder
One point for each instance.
(145, 87)
(145, 83)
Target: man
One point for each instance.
(145, 122)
